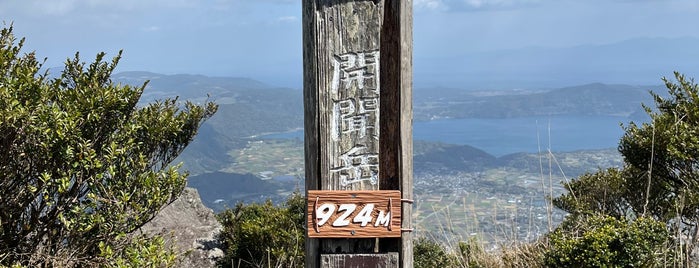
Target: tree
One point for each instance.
(662, 158)
(82, 164)
(660, 176)
(600, 192)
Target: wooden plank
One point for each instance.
(404, 10)
(341, 214)
(310, 100)
(387, 260)
(397, 114)
(342, 83)
(358, 109)
(346, 88)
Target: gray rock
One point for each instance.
(191, 227)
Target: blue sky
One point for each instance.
(262, 38)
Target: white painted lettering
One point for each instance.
(342, 220)
(324, 212)
(383, 219)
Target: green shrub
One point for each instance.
(428, 253)
(142, 251)
(524, 255)
(264, 235)
(82, 165)
(605, 241)
(472, 253)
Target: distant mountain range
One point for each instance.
(640, 61)
(439, 158)
(591, 99)
(246, 108)
(250, 109)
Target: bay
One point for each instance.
(500, 137)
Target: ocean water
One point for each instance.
(513, 135)
(526, 134)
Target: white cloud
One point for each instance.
(152, 28)
(498, 4)
(279, 1)
(58, 7)
(66, 7)
(473, 5)
(429, 5)
(285, 19)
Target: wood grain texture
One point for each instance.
(339, 31)
(345, 31)
(310, 100)
(360, 260)
(403, 9)
(381, 201)
(397, 115)
(358, 109)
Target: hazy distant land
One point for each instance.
(467, 190)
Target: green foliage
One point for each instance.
(82, 165)
(472, 253)
(428, 253)
(600, 192)
(605, 241)
(141, 251)
(524, 255)
(660, 177)
(264, 235)
(668, 150)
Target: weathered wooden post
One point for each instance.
(358, 132)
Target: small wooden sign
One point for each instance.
(356, 214)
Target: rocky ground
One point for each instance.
(192, 228)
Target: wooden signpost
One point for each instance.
(355, 214)
(358, 132)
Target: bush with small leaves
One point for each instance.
(264, 235)
(82, 166)
(428, 253)
(142, 251)
(605, 241)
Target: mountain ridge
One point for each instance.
(638, 61)
(252, 108)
